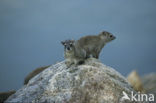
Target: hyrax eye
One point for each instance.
(111, 36)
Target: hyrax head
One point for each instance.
(68, 45)
(106, 36)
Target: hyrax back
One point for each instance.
(93, 44)
(72, 53)
(5, 95)
(34, 73)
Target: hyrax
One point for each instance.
(34, 73)
(93, 44)
(72, 53)
(5, 95)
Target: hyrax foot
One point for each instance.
(81, 62)
(68, 63)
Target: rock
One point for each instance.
(33, 73)
(5, 95)
(135, 81)
(149, 82)
(92, 82)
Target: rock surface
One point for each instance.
(92, 82)
(5, 95)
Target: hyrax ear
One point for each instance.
(104, 33)
(62, 42)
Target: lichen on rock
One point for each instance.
(92, 82)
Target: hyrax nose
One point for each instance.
(68, 48)
(112, 36)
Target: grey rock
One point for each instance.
(92, 82)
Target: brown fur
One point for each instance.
(135, 81)
(5, 95)
(94, 44)
(34, 73)
(72, 53)
(77, 51)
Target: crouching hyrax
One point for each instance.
(72, 53)
(77, 51)
(93, 44)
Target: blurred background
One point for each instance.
(31, 32)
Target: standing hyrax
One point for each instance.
(72, 53)
(94, 44)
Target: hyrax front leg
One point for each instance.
(78, 62)
(95, 54)
(68, 62)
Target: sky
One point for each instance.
(31, 32)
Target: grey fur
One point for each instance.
(73, 53)
(93, 44)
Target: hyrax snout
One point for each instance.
(68, 45)
(106, 36)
